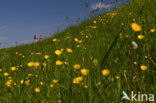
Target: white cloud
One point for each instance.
(100, 5)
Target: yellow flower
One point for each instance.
(14, 83)
(67, 37)
(41, 83)
(117, 77)
(37, 53)
(84, 71)
(8, 83)
(22, 81)
(86, 36)
(58, 52)
(76, 39)
(44, 64)
(95, 62)
(55, 81)
(54, 40)
(10, 78)
(37, 90)
(46, 57)
(27, 82)
(80, 41)
(51, 85)
(69, 50)
(36, 64)
(112, 79)
(62, 49)
(30, 64)
(0, 70)
(136, 27)
(94, 21)
(76, 66)
(6, 74)
(94, 27)
(16, 53)
(13, 68)
(77, 80)
(141, 36)
(105, 72)
(86, 86)
(126, 36)
(23, 56)
(58, 62)
(143, 67)
(153, 30)
(29, 75)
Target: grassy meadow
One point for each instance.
(89, 63)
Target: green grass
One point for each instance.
(109, 44)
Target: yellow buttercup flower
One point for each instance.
(62, 49)
(126, 36)
(46, 56)
(136, 27)
(14, 83)
(67, 37)
(54, 40)
(55, 81)
(0, 70)
(20, 54)
(77, 80)
(76, 66)
(58, 52)
(143, 67)
(141, 36)
(22, 81)
(6, 74)
(117, 77)
(8, 83)
(69, 50)
(95, 62)
(153, 30)
(29, 75)
(30, 64)
(51, 85)
(36, 64)
(94, 27)
(37, 90)
(94, 21)
(80, 41)
(35, 53)
(105, 72)
(41, 83)
(16, 53)
(76, 39)
(27, 82)
(10, 78)
(86, 86)
(13, 68)
(84, 71)
(44, 64)
(58, 62)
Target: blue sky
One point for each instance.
(21, 19)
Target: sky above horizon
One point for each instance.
(21, 19)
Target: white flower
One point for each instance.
(135, 63)
(66, 63)
(135, 45)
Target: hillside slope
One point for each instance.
(89, 63)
